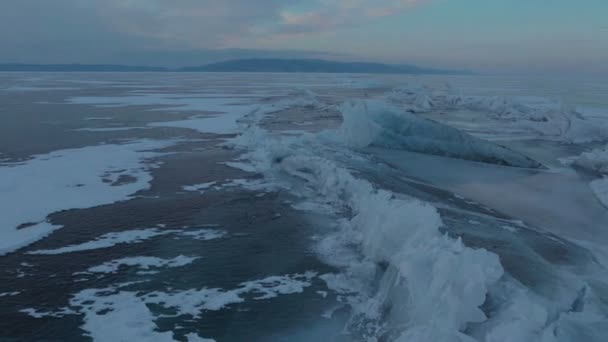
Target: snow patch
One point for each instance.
(142, 263)
(108, 240)
(198, 187)
(129, 315)
(204, 234)
(79, 177)
(133, 236)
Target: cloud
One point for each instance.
(99, 30)
(231, 23)
(334, 14)
(190, 23)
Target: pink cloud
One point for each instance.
(331, 14)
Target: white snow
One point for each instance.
(228, 110)
(218, 124)
(192, 337)
(108, 240)
(41, 314)
(133, 236)
(130, 317)
(198, 187)
(274, 286)
(120, 316)
(247, 184)
(80, 178)
(225, 111)
(233, 112)
(240, 166)
(142, 263)
(204, 234)
(250, 184)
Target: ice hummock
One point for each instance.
(369, 122)
(438, 283)
(403, 279)
(536, 117)
(596, 161)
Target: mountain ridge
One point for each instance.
(243, 65)
(314, 66)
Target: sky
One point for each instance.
(487, 36)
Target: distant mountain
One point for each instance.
(78, 68)
(313, 65)
(243, 65)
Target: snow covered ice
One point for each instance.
(68, 179)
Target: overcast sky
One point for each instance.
(503, 36)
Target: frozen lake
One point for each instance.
(300, 207)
